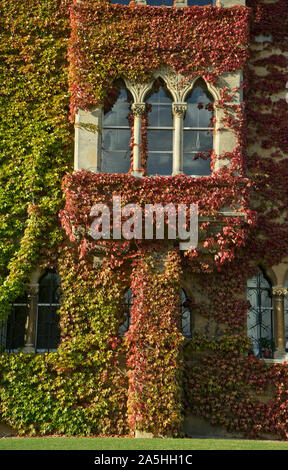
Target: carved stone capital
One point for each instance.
(179, 109)
(279, 291)
(138, 109)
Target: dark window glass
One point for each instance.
(286, 315)
(160, 131)
(48, 332)
(198, 135)
(121, 2)
(128, 301)
(159, 3)
(185, 315)
(116, 152)
(260, 314)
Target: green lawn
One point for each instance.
(90, 443)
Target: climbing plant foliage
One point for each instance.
(100, 382)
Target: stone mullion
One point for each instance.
(279, 294)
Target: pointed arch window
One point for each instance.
(160, 130)
(197, 130)
(260, 314)
(116, 133)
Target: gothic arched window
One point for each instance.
(116, 133)
(12, 332)
(185, 315)
(128, 301)
(160, 130)
(197, 130)
(47, 331)
(260, 314)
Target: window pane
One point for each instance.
(127, 315)
(259, 316)
(118, 115)
(159, 164)
(116, 139)
(121, 2)
(116, 162)
(116, 152)
(185, 315)
(160, 95)
(199, 2)
(195, 167)
(160, 116)
(160, 140)
(196, 117)
(49, 288)
(158, 3)
(197, 141)
(15, 329)
(200, 94)
(199, 107)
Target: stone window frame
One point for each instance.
(88, 124)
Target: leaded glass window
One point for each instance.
(116, 134)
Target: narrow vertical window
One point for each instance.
(159, 3)
(185, 315)
(12, 332)
(116, 133)
(128, 301)
(260, 314)
(160, 131)
(198, 135)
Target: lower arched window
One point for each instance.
(260, 315)
(41, 311)
(185, 315)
